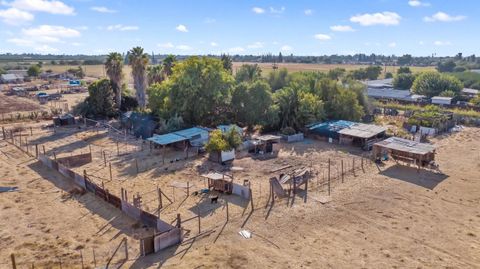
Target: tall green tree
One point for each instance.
(100, 100)
(432, 84)
(248, 73)
(251, 102)
(139, 61)
(227, 63)
(155, 74)
(403, 81)
(114, 68)
(34, 71)
(199, 91)
(404, 70)
(168, 64)
(278, 79)
(373, 72)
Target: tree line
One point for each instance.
(204, 91)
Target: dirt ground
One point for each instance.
(389, 216)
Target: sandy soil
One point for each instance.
(44, 224)
(392, 217)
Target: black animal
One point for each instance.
(214, 199)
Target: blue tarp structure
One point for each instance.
(329, 128)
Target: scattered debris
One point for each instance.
(8, 189)
(246, 234)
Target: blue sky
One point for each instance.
(301, 27)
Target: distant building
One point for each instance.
(11, 78)
(471, 93)
(439, 100)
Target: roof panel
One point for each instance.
(405, 145)
(362, 130)
(166, 139)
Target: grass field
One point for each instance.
(98, 70)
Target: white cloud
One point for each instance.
(82, 28)
(182, 28)
(121, 27)
(308, 12)
(444, 17)
(214, 44)
(342, 28)
(166, 45)
(442, 43)
(277, 11)
(418, 3)
(256, 45)
(15, 16)
(258, 10)
(50, 33)
(77, 44)
(103, 9)
(53, 6)
(392, 44)
(39, 38)
(183, 47)
(383, 18)
(286, 48)
(236, 50)
(21, 42)
(322, 37)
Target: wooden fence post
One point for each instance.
(43, 146)
(104, 158)
(226, 204)
(94, 259)
(14, 264)
(110, 166)
(342, 170)
(328, 177)
(81, 258)
(353, 166)
(199, 225)
(136, 165)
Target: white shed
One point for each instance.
(439, 100)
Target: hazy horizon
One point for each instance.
(188, 27)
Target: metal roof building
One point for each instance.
(361, 130)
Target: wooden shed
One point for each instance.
(219, 182)
(419, 154)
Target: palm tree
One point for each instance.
(114, 65)
(139, 61)
(168, 64)
(155, 74)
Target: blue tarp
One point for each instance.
(330, 128)
(166, 139)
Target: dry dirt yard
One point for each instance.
(392, 218)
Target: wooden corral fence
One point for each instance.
(84, 182)
(114, 258)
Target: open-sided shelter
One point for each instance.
(363, 135)
(420, 154)
(265, 143)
